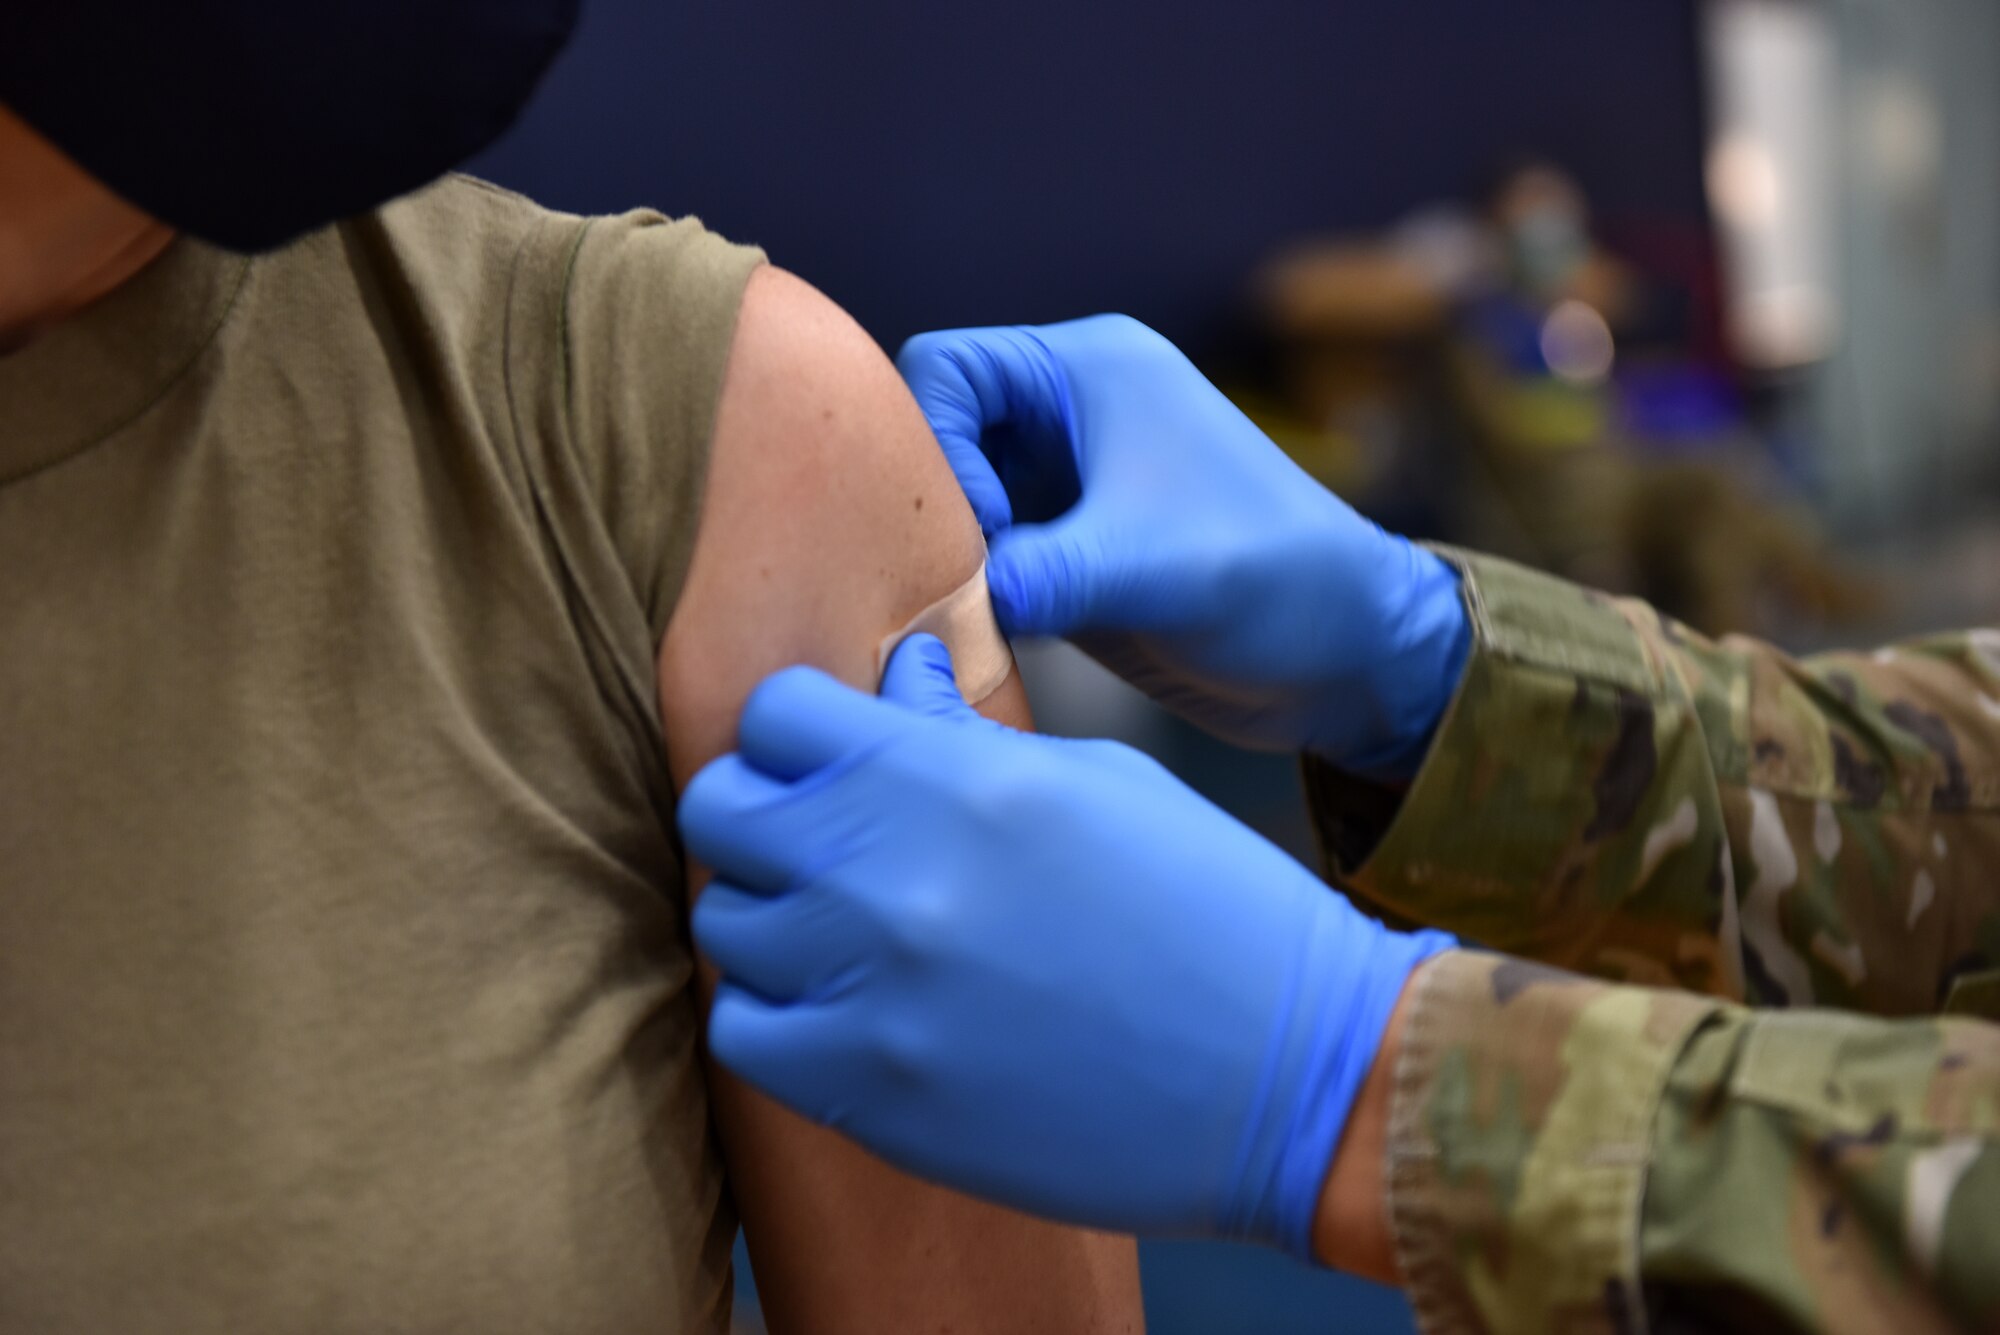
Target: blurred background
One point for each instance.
(1694, 299)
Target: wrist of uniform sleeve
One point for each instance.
(1520, 1138)
(1563, 748)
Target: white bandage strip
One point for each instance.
(964, 620)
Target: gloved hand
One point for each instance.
(1037, 970)
(1134, 510)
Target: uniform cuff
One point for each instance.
(1521, 1132)
(1552, 751)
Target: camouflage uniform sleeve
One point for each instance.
(1573, 1156)
(1613, 794)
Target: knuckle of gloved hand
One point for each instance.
(704, 922)
(921, 348)
(905, 1049)
(929, 770)
(708, 798)
(1122, 761)
(1013, 792)
(771, 699)
(1238, 571)
(1119, 326)
(729, 1036)
(1141, 341)
(919, 924)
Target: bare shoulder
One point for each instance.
(828, 519)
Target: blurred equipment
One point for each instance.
(1545, 409)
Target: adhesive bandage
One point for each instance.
(964, 620)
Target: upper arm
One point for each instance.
(829, 519)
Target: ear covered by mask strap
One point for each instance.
(964, 620)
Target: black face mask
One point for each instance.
(247, 122)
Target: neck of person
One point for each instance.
(65, 239)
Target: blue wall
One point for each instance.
(936, 164)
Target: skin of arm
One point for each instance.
(1351, 1230)
(829, 519)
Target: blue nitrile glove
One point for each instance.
(1037, 970)
(1134, 510)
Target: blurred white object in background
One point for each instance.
(1854, 173)
(1774, 70)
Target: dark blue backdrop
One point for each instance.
(935, 164)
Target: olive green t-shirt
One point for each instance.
(344, 979)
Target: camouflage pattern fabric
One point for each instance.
(1706, 825)
(1568, 1155)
